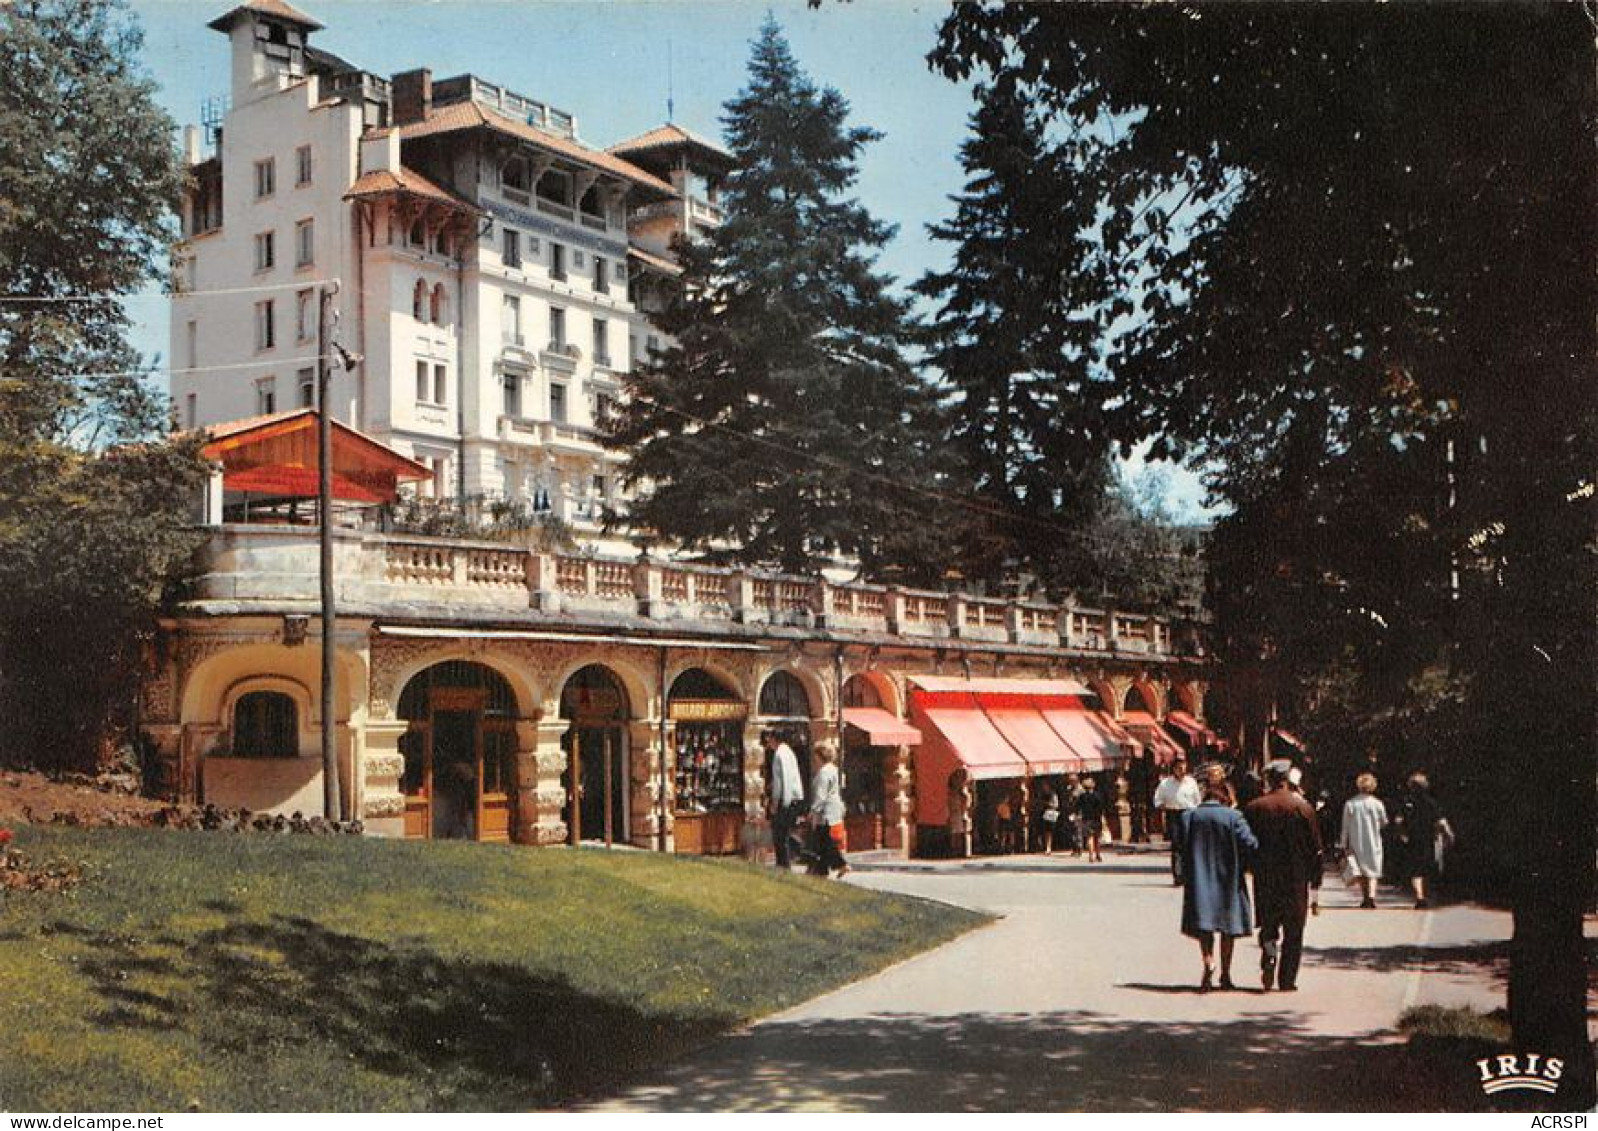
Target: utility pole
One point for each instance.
(332, 807)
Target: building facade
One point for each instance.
(494, 692)
(488, 281)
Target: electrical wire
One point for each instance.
(302, 285)
(151, 371)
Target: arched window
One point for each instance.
(419, 234)
(266, 724)
(419, 301)
(439, 307)
(783, 697)
(441, 241)
(1137, 699)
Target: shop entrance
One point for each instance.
(707, 759)
(596, 752)
(863, 792)
(460, 753)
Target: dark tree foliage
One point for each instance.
(91, 494)
(1359, 242)
(784, 423)
(1016, 339)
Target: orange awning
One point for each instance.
(966, 732)
(1094, 737)
(1022, 724)
(1197, 733)
(881, 728)
(276, 455)
(1146, 727)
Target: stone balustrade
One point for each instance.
(278, 565)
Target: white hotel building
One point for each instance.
(493, 269)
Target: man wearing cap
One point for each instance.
(1286, 866)
(1174, 796)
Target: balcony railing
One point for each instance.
(274, 565)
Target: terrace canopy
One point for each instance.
(276, 456)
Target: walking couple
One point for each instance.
(788, 810)
(1277, 838)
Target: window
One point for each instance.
(265, 178)
(557, 403)
(302, 165)
(305, 243)
(513, 394)
(307, 382)
(265, 725)
(557, 328)
(423, 385)
(514, 176)
(266, 396)
(304, 315)
(441, 241)
(265, 326)
(438, 305)
(601, 274)
(265, 252)
(621, 272)
(510, 320)
(578, 261)
(511, 248)
(418, 235)
(419, 301)
(651, 346)
(601, 342)
(191, 356)
(191, 410)
(440, 384)
(557, 261)
(604, 405)
(440, 477)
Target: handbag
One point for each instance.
(840, 837)
(1050, 816)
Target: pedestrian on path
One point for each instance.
(1216, 846)
(1049, 818)
(1364, 818)
(1175, 795)
(1090, 810)
(1423, 832)
(1286, 866)
(787, 803)
(826, 814)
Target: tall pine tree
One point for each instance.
(1018, 336)
(784, 424)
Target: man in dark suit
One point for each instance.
(1286, 866)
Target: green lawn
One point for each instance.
(227, 972)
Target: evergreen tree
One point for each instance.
(92, 498)
(784, 423)
(1016, 337)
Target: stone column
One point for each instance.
(644, 786)
(754, 775)
(540, 797)
(382, 767)
(166, 740)
(542, 592)
(900, 783)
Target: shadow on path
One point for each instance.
(1066, 1061)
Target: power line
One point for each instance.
(152, 370)
(302, 285)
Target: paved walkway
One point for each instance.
(1083, 997)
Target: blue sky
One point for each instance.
(606, 62)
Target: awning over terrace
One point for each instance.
(276, 456)
(1197, 733)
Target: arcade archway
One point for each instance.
(460, 753)
(595, 703)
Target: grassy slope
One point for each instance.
(254, 973)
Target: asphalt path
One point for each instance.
(1084, 996)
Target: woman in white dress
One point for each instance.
(1364, 818)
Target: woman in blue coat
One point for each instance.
(1216, 847)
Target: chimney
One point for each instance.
(412, 95)
(191, 145)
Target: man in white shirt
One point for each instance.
(785, 800)
(1175, 795)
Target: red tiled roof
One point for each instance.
(279, 8)
(471, 115)
(668, 135)
(383, 181)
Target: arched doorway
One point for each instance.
(1138, 698)
(460, 753)
(863, 763)
(596, 750)
(785, 708)
(707, 759)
